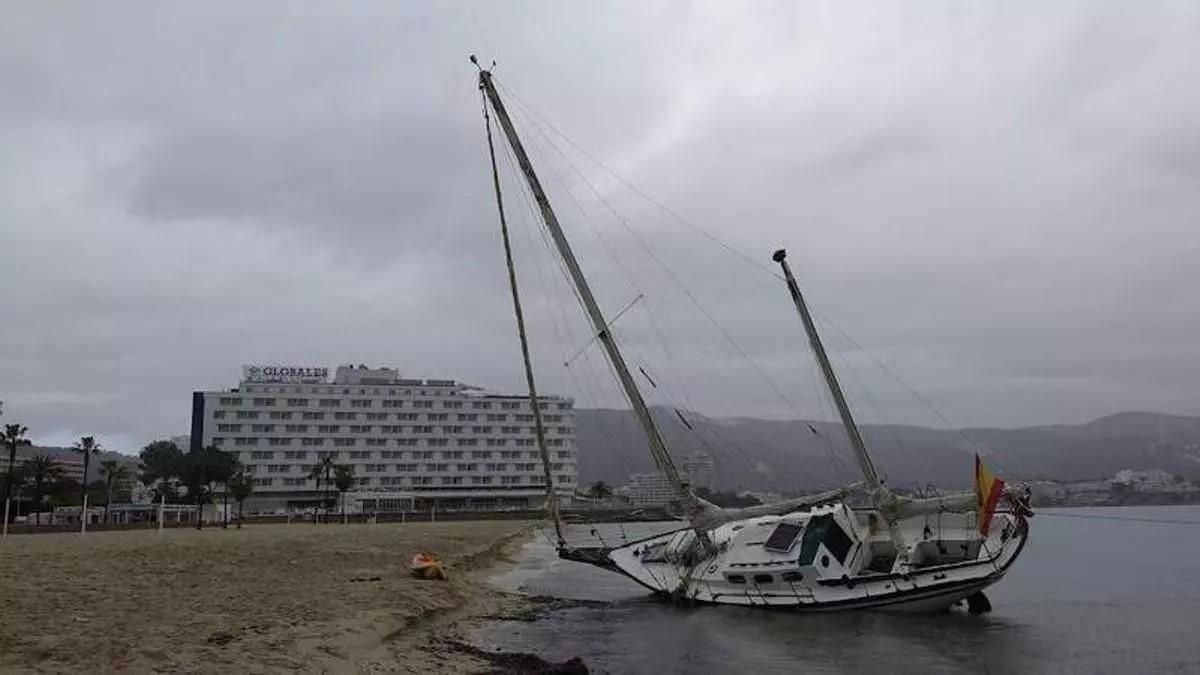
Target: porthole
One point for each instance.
(736, 579)
(824, 561)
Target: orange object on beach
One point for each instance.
(427, 566)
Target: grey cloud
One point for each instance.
(996, 204)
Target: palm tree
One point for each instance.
(42, 471)
(600, 490)
(322, 469)
(87, 446)
(113, 473)
(343, 479)
(13, 437)
(240, 486)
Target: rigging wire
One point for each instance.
(747, 258)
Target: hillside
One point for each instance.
(787, 456)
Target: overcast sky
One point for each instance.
(998, 202)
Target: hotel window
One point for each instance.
(360, 429)
(423, 454)
(218, 414)
(510, 430)
(406, 417)
(280, 441)
(563, 454)
(564, 406)
(278, 468)
(376, 417)
(330, 403)
(467, 442)
(481, 454)
(376, 442)
(297, 403)
(422, 480)
(245, 441)
(328, 454)
(364, 480)
(359, 454)
(510, 405)
(565, 478)
(264, 402)
(556, 467)
(481, 480)
(262, 454)
(453, 454)
(482, 405)
(296, 428)
(314, 415)
(422, 430)
(345, 416)
(393, 404)
(452, 480)
(423, 404)
(467, 417)
(406, 468)
(406, 441)
(552, 418)
(451, 404)
(343, 442)
(452, 430)
(437, 417)
(494, 417)
(262, 428)
(437, 442)
(555, 442)
(218, 441)
(510, 480)
(481, 430)
(328, 428)
(264, 482)
(437, 467)
(247, 414)
(360, 403)
(295, 454)
(230, 400)
(229, 427)
(523, 418)
(524, 442)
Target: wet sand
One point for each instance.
(268, 598)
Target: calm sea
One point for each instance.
(1089, 595)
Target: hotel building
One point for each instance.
(414, 444)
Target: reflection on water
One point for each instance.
(1086, 596)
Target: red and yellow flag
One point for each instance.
(988, 489)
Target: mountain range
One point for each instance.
(794, 455)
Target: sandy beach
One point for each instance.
(268, 598)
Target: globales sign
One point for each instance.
(284, 374)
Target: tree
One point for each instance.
(161, 464)
(41, 470)
(323, 468)
(600, 490)
(113, 472)
(87, 446)
(343, 480)
(13, 437)
(240, 486)
(201, 469)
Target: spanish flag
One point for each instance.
(988, 489)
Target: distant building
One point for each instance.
(648, 489)
(1150, 480)
(67, 461)
(413, 443)
(700, 469)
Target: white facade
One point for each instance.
(700, 469)
(648, 489)
(411, 442)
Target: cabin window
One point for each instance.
(823, 529)
(792, 576)
(735, 578)
(783, 538)
(763, 579)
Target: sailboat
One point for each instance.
(817, 553)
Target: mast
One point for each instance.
(658, 447)
(534, 403)
(879, 493)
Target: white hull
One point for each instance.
(950, 565)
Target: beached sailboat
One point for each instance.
(815, 553)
